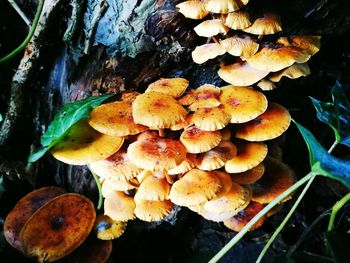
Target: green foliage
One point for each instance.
(322, 162)
(69, 115)
(336, 114)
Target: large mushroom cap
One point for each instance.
(226, 205)
(194, 9)
(224, 6)
(151, 211)
(198, 141)
(249, 155)
(278, 177)
(173, 87)
(115, 119)
(293, 72)
(237, 222)
(266, 25)
(157, 110)
(250, 176)
(24, 209)
(108, 229)
(243, 47)
(157, 153)
(208, 51)
(211, 28)
(269, 125)
(153, 188)
(194, 188)
(275, 57)
(242, 103)
(119, 206)
(58, 227)
(210, 119)
(310, 44)
(117, 165)
(83, 145)
(237, 20)
(241, 74)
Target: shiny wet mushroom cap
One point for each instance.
(152, 188)
(206, 96)
(310, 44)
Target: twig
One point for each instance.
(19, 11)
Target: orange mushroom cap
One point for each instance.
(206, 96)
(210, 119)
(243, 47)
(211, 28)
(265, 84)
(224, 6)
(310, 44)
(250, 176)
(151, 211)
(266, 25)
(119, 207)
(237, 20)
(108, 229)
(293, 72)
(194, 9)
(152, 188)
(173, 87)
(205, 52)
(188, 164)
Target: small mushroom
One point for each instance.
(237, 222)
(266, 25)
(269, 125)
(249, 155)
(265, 84)
(194, 188)
(197, 141)
(119, 206)
(151, 211)
(206, 96)
(250, 176)
(24, 209)
(205, 52)
(210, 28)
(242, 103)
(293, 72)
(116, 184)
(108, 229)
(152, 188)
(173, 87)
(210, 119)
(243, 47)
(224, 6)
(194, 9)
(237, 20)
(241, 74)
(83, 145)
(58, 227)
(310, 44)
(278, 177)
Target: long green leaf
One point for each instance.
(69, 115)
(322, 162)
(336, 114)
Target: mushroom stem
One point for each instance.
(161, 133)
(169, 178)
(215, 40)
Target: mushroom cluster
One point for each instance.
(204, 149)
(240, 34)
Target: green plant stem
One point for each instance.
(29, 36)
(256, 218)
(285, 220)
(99, 188)
(19, 11)
(333, 146)
(335, 209)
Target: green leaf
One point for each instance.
(336, 114)
(69, 115)
(338, 243)
(322, 162)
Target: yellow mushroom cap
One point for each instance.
(241, 74)
(194, 188)
(237, 20)
(83, 145)
(242, 103)
(237, 222)
(129, 96)
(293, 72)
(249, 155)
(226, 205)
(217, 157)
(58, 227)
(157, 110)
(188, 98)
(157, 153)
(117, 165)
(269, 125)
(189, 163)
(119, 207)
(243, 47)
(194, 9)
(108, 229)
(205, 52)
(274, 58)
(310, 44)
(153, 189)
(115, 119)
(206, 96)
(265, 84)
(198, 141)
(278, 177)
(250, 176)
(266, 25)
(226, 181)
(173, 87)
(224, 6)
(210, 119)
(151, 211)
(116, 184)
(183, 124)
(211, 28)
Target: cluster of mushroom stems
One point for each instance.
(204, 149)
(235, 31)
